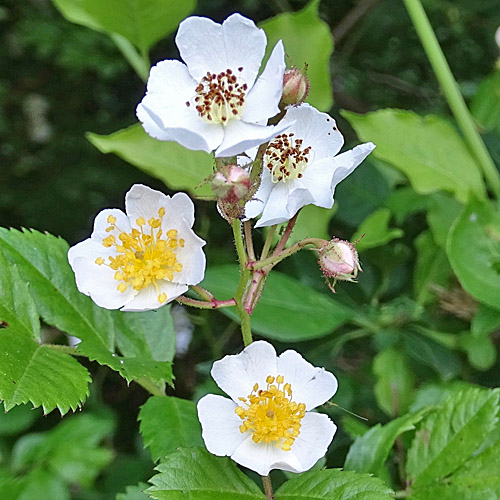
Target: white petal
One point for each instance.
(101, 224)
(142, 201)
(276, 208)
(318, 130)
(240, 136)
(345, 163)
(254, 207)
(262, 458)
(191, 256)
(237, 374)
(317, 180)
(310, 385)
(180, 205)
(263, 99)
(220, 425)
(166, 116)
(147, 298)
(207, 46)
(316, 434)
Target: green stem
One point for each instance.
(267, 243)
(286, 234)
(452, 93)
(402, 494)
(202, 304)
(139, 62)
(65, 348)
(151, 387)
(268, 487)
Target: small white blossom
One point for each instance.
(141, 260)
(215, 101)
(300, 167)
(267, 424)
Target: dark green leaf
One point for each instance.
(17, 419)
(195, 474)
(134, 493)
(167, 423)
(374, 230)
(443, 210)
(179, 168)
(287, 310)
(427, 149)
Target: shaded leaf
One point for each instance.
(167, 423)
(374, 230)
(134, 493)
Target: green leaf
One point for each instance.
(17, 308)
(179, 168)
(195, 474)
(395, 381)
(313, 221)
(442, 211)
(42, 262)
(167, 423)
(134, 493)
(287, 310)
(369, 452)
(30, 372)
(404, 201)
(447, 438)
(485, 106)
(431, 268)
(334, 484)
(17, 419)
(427, 149)
(480, 350)
(142, 22)
(474, 251)
(374, 230)
(486, 321)
(37, 482)
(294, 28)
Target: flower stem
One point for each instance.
(202, 304)
(286, 234)
(268, 487)
(267, 243)
(452, 93)
(151, 387)
(248, 238)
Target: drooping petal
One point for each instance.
(240, 136)
(237, 374)
(262, 457)
(276, 208)
(317, 130)
(310, 385)
(345, 163)
(191, 256)
(147, 298)
(167, 113)
(207, 46)
(220, 425)
(262, 101)
(316, 434)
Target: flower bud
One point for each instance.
(231, 184)
(295, 86)
(339, 260)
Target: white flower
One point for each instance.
(215, 101)
(141, 260)
(267, 424)
(300, 167)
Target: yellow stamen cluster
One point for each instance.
(285, 158)
(144, 256)
(219, 97)
(270, 415)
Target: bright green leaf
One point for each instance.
(33, 373)
(313, 221)
(287, 311)
(442, 211)
(431, 268)
(195, 474)
(395, 381)
(134, 493)
(485, 321)
(374, 230)
(17, 308)
(427, 149)
(369, 452)
(294, 28)
(474, 251)
(142, 22)
(448, 437)
(480, 351)
(486, 103)
(334, 484)
(179, 168)
(167, 423)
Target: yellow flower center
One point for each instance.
(144, 256)
(220, 97)
(270, 415)
(285, 158)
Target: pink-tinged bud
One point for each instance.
(339, 260)
(231, 184)
(295, 86)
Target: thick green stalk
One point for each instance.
(452, 93)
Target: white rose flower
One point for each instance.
(300, 167)
(141, 260)
(267, 424)
(215, 101)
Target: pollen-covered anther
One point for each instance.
(220, 97)
(286, 159)
(144, 256)
(270, 414)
